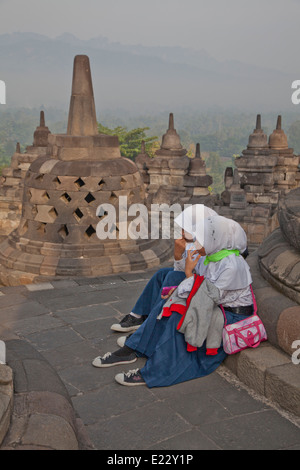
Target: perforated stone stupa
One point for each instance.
(57, 234)
(12, 180)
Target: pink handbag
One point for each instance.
(247, 333)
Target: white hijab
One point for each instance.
(193, 216)
(219, 233)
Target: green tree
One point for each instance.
(215, 168)
(130, 140)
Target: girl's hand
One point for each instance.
(191, 263)
(168, 294)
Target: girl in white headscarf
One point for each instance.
(223, 240)
(169, 360)
(164, 278)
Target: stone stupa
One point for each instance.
(63, 189)
(197, 178)
(168, 169)
(12, 179)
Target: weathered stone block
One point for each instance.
(282, 386)
(253, 363)
(288, 328)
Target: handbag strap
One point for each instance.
(254, 301)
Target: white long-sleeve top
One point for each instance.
(229, 298)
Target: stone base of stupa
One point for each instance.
(37, 262)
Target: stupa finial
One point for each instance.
(82, 113)
(171, 122)
(258, 121)
(42, 119)
(278, 125)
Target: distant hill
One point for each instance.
(38, 71)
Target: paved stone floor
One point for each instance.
(68, 323)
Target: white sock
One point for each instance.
(135, 315)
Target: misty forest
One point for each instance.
(222, 135)
(136, 87)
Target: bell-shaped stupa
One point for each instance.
(197, 177)
(168, 168)
(170, 144)
(258, 139)
(74, 211)
(278, 139)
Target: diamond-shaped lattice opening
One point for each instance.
(46, 196)
(53, 213)
(42, 228)
(63, 231)
(90, 231)
(123, 182)
(57, 180)
(89, 198)
(101, 214)
(66, 198)
(78, 214)
(101, 183)
(113, 198)
(115, 228)
(79, 182)
(40, 177)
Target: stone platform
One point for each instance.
(54, 330)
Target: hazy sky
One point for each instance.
(260, 32)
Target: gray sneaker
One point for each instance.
(131, 378)
(110, 359)
(128, 323)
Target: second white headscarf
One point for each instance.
(219, 233)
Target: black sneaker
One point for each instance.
(128, 323)
(110, 359)
(131, 378)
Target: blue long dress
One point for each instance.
(168, 361)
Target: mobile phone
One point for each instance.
(190, 247)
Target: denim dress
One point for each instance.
(168, 361)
